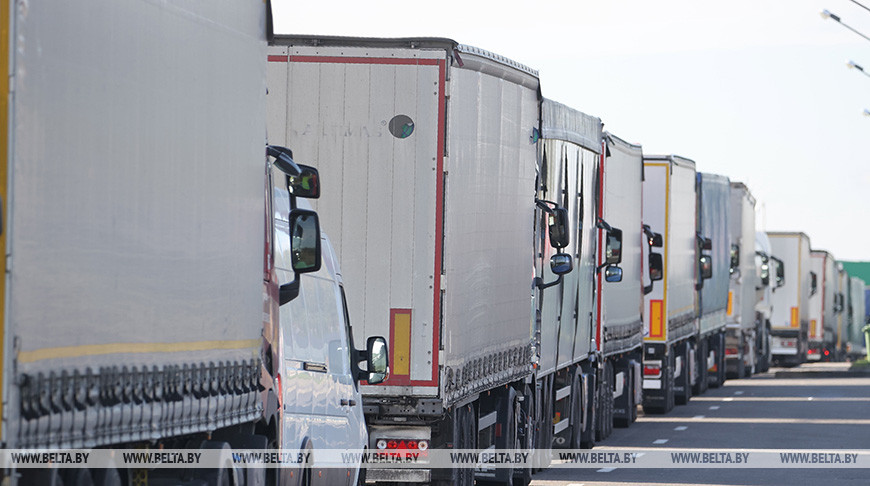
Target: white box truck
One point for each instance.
(671, 309)
(822, 307)
(715, 230)
(620, 308)
(771, 276)
(433, 148)
(740, 342)
(790, 322)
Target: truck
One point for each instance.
(838, 341)
(823, 307)
(620, 306)
(790, 322)
(771, 276)
(740, 342)
(434, 226)
(671, 310)
(578, 382)
(151, 329)
(715, 231)
(149, 203)
(855, 346)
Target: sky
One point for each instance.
(757, 90)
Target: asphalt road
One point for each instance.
(760, 413)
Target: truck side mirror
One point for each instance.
(735, 258)
(302, 180)
(561, 263)
(814, 286)
(613, 274)
(780, 271)
(305, 184)
(706, 244)
(706, 262)
(657, 241)
(656, 267)
(559, 229)
(613, 248)
(378, 361)
(304, 250)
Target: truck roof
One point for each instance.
(675, 159)
(444, 43)
(561, 122)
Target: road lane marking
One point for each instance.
(780, 399)
(738, 393)
(607, 469)
(741, 420)
(714, 407)
(698, 417)
(660, 441)
(681, 428)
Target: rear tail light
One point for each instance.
(827, 352)
(652, 370)
(402, 444)
(812, 351)
(730, 351)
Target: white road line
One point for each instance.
(738, 393)
(682, 427)
(698, 417)
(660, 441)
(607, 469)
(714, 407)
(729, 399)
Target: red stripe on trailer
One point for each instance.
(439, 183)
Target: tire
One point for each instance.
(631, 407)
(685, 378)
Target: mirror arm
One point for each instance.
(283, 159)
(545, 205)
(288, 291)
(648, 288)
(539, 282)
(601, 224)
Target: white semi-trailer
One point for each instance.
(740, 342)
(433, 150)
(715, 231)
(142, 290)
(770, 277)
(620, 309)
(671, 309)
(822, 307)
(790, 321)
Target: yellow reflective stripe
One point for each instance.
(133, 348)
(401, 364)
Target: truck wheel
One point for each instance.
(685, 381)
(628, 393)
(587, 440)
(701, 355)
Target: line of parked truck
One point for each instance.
(530, 278)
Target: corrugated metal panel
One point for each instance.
(622, 302)
(560, 122)
(488, 226)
